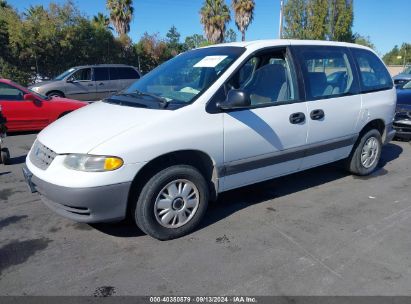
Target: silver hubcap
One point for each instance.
(369, 152)
(176, 204)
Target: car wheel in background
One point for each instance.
(4, 156)
(55, 94)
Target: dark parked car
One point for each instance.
(402, 78)
(402, 122)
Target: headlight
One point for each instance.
(35, 89)
(92, 163)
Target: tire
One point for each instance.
(55, 94)
(185, 207)
(356, 162)
(5, 156)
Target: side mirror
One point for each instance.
(236, 99)
(70, 80)
(29, 97)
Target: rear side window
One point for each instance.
(101, 74)
(373, 74)
(127, 73)
(114, 74)
(327, 72)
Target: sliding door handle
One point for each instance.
(317, 114)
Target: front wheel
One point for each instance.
(172, 203)
(366, 154)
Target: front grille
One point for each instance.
(403, 115)
(41, 156)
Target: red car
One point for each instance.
(29, 111)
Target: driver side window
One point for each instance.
(82, 75)
(10, 93)
(267, 78)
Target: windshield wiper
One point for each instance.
(164, 102)
(125, 103)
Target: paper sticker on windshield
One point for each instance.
(209, 61)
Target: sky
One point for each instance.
(385, 22)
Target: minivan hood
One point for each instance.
(41, 83)
(402, 76)
(86, 128)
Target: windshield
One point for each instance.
(64, 74)
(182, 79)
(407, 70)
(407, 85)
(39, 95)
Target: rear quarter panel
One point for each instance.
(377, 105)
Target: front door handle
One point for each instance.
(297, 118)
(317, 114)
(90, 85)
(101, 83)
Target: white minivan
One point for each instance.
(211, 120)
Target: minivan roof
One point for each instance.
(282, 42)
(105, 65)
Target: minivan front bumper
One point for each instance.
(88, 205)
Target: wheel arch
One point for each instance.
(198, 159)
(56, 91)
(377, 124)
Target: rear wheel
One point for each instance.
(5, 156)
(172, 203)
(366, 154)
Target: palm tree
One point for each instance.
(244, 14)
(101, 21)
(121, 14)
(215, 14)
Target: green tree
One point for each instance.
(151, 51)
(50, 40)
(317, 15)
(295, 17)
(121, 14)
(101, 21)
(230, 36)
(363, 40)
(173, 35)
(194, 41)
(341, 18)
(398, 55)
(319, 19)
(215, 15)
(244, 14)
(173, 41)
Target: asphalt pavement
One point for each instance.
(318, 232)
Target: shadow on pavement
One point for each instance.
(235, 200)
(10, 134)
(17, 160)
(122, 229)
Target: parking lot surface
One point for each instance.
(319, 232)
